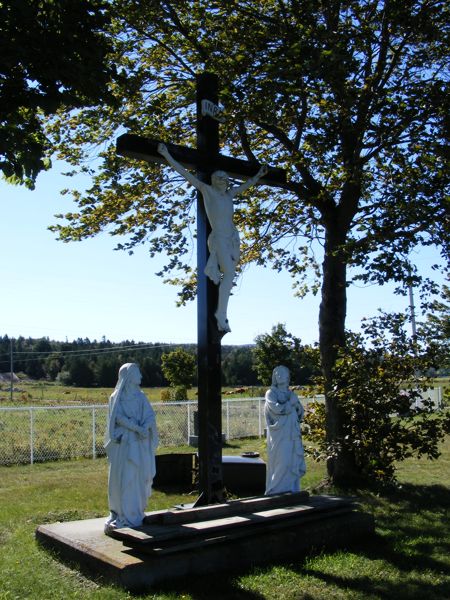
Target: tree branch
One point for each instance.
(245, 141)
(300, 123)
(277, 133)
(184, 31)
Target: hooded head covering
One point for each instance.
(125, 372)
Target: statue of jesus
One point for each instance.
(223, 241)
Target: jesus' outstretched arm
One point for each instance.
(247, 184)
(163, 150)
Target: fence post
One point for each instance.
(259, 418)
(188, 421)
(228, 419)
(94, 441)
(31, 436)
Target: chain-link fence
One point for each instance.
(38, 434)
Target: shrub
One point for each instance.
(179, 367)
(178, 393)
(64, 378)
(378, 378)
(174, 394)
(166, 395)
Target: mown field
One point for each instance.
(47, 393)
(409, 558)
(32, 432)
(51, 394)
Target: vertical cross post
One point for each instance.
(205, 159)
(208, 346)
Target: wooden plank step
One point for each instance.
(156, 534)
(243, 505)
(181, 545)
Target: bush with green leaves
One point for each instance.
(379, 381)
(179, 368)
(165, 395)
(282, 348)
(179, 393)
(174, 394)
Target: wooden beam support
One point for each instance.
(135, 146)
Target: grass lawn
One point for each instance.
(409, 558)
(50, 393)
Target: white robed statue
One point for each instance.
(286, 458)
(130, 441)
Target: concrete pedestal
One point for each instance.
(229, 537)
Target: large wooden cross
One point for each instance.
(205, 159)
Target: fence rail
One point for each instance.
(42, 433)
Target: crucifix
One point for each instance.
(212, 323)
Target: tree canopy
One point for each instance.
(350, 97)
(384, 384)
(179, 367)
(282, 348)
(52, 54)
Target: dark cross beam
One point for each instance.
(205, 160)
(135, 146)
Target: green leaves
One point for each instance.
(378, 382)
(342, 96)
(350, 98)
(179, 368)
(282, 348)
(51, 55)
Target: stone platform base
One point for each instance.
(227, 537)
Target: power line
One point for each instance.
(89, 352)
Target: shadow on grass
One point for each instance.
(200, 587)
(217, 587)
(412, 589)
(420, 515)
(412, 536)
(411, 540)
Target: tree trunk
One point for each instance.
(341, 465)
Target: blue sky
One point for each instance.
(86, 289)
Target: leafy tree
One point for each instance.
(52, 55)
(179, 368)
(439, 316)
(237, 367)
(350, 97)
(32, 361)
(276, 348)
(378, 378)
(80, 372)
(282, 348)
(151, 371)
(106, 372)
(53, 365)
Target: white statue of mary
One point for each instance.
(286, 458)
(130, 441)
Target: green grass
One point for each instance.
(60, 433)
(409, 558)
(49, 393)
